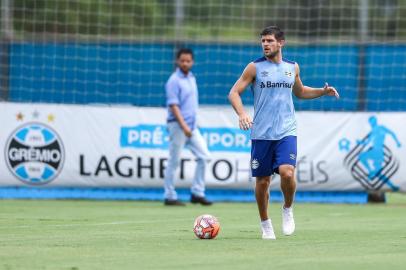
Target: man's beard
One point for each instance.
(185, 69)
(272, 54)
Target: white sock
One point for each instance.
(266, 223)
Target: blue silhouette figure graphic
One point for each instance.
(375, 153)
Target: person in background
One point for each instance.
(182, 103)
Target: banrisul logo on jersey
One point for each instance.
(270, 84)
(34, 153)
(370, 159)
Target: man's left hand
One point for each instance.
(330, 91)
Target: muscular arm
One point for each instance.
(305, 92)
(176, 112)
(234, 96)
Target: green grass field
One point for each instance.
(147, 235)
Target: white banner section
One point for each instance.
(90, 146)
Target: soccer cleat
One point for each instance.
(169, 202)
(288, 223)
(201, 200)
(267, 230)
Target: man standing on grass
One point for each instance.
(273, 134)
(182, 103)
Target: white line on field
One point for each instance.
(93, 224)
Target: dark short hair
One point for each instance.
(273, 30)
(184, 51)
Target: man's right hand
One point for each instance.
(187, 131)
(245, 121)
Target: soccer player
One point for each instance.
(273, 132)
(182, 103)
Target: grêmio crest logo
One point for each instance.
(270, 84)
(34, 153)
(370, 161)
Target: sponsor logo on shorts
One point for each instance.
(292, 156)
(254, 164)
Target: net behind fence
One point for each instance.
(122, 52)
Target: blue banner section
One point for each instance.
(227, 139)
(144, 136)
(219, 139)
(156, 194)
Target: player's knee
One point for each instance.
(287, 174)
(173, 163)
(202, 155)
(262, 187)
(263, 181)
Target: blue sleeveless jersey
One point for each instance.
(274, 114)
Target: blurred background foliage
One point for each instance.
(212, 20)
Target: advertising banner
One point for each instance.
(51, 145)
